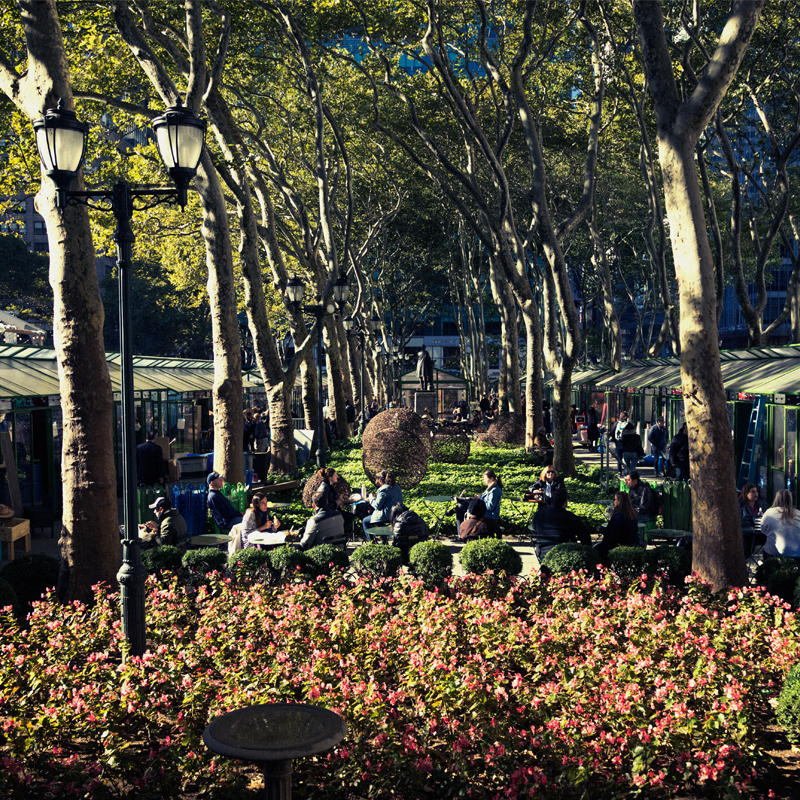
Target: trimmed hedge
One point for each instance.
(569, 557)
(30, 577)
(326, 558)
(491, 554)
(163, 558)
(251, 564)
(290, 562)
(628, 562)
(430, 562)
(673, 564)
(8, 597)
(200, 563)
(779, 576)
(788, 710)
(377, 560)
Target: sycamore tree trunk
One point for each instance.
(89, 540)
(717, 554)
(227, 390)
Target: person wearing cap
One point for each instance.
(473, 526)
(171, 525)
(222, 510)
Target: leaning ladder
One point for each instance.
(752, 445)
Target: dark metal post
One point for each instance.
(362, 342)
(319, 314)
(131, 575)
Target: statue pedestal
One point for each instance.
(423, 400)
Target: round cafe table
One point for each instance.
(272, 735)
(431, 503)
(384, 531)
(268, 538)
(210, 540)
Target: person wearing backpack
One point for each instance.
(631, 445)
(658, 444)
(617, 437)
(261, 433)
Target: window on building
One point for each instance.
(39, 226)
(41, 247)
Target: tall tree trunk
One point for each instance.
(89, 540)
(718, 553)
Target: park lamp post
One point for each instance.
(352, 326)
(295, 289)
(61, 141)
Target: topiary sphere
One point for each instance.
(397, 440)
(341, 488)
(507, 429)
(450, 445)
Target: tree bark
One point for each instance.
(89, 539)
(718, 552)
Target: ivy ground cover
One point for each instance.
(570, 688)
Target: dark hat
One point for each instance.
(160, 502)
(477, 508)
(212, 476)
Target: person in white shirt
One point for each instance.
(781, 525)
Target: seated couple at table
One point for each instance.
(554, 524)
(491, 502)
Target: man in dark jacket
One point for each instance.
(632, 450)
(643, 498)
(408, 528)
(658, 444)
(222, 510)
(679, 454)
(555, 525)
(150, 461)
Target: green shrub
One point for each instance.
(627, 562)
(788, 710)
(673, 564)
(8, 597)
(30, 577)
(564, 558)
(164, 558)
(328, 557)
(200, 563)
(779, 577)
(377, 560)
(490, 554)
(430, 562)
(289, 562)
(251, 564)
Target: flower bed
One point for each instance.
(547, 689)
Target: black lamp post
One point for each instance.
(295, 289)
(61, 141)
(352, 326)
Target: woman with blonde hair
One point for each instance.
(781, 525)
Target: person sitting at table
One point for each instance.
(473, 526)
(408, 528)
(256, 519)
(751, 509)
(622, 528)
(222, 510)
(326, 524)
(387, 497)
(491, 498)
(170, 527)
(548, 482)
(554, 525)
(643, 498)
(781, 526)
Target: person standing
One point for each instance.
(657, 437)
(150, 461)
(632, 450)
(617, 437)
(248, 435)
(592, 428)
(261, 433)
(485, 404)
(679, 453)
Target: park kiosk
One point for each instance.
(449, 389)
